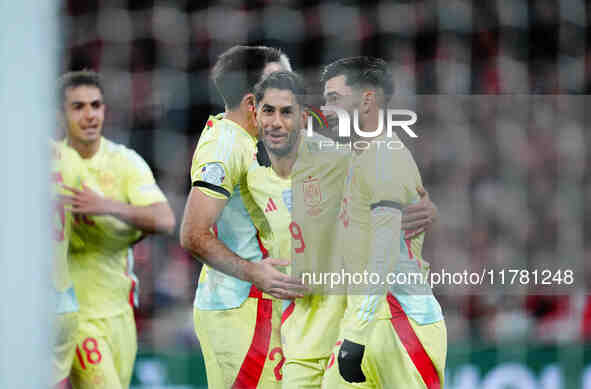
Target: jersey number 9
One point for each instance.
(296, 233)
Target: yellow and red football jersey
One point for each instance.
(99, 260)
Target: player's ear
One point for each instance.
(249, 102)
(248, 107)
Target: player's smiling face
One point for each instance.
(280, 120)
(84, 113)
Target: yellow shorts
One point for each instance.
(241, 346)
(66, 325)
(400, 353)
(309, 330)
(304, 373)
(105, 352)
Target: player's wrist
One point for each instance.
(114, 208)
(250, 272)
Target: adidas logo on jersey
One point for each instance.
(271, 207)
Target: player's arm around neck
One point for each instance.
(201, 212)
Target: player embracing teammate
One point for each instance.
(256, 326)
(238, 300)
(390, 335)
(385, 347)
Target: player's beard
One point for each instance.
(287, 148)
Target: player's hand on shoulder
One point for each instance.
(419, 217)
(267, 278)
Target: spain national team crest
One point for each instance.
(106, 180)
(312, 193)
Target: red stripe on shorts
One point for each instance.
(255, 292)
(250, 372)
(288, 311)
(413, 345)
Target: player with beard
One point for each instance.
(308, 328)
(237, 308)
(310, 325)
(391, 335)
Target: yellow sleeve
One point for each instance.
(386, 201)
(141, 186)
(220, 161)
(390, 179)
(384, 242)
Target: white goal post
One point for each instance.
(28, 69)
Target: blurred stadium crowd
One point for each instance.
(510, 173)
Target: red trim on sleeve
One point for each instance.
(288, 311)
(252, 367)
(413, 345)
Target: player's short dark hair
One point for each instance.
(239, 68)
(282, 80)
(79, 78)
(360, 72)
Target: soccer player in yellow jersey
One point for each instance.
(310, 325)
(66, 169)
(119, 201)
(392, 335)
(236, 308)
(307, 331)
